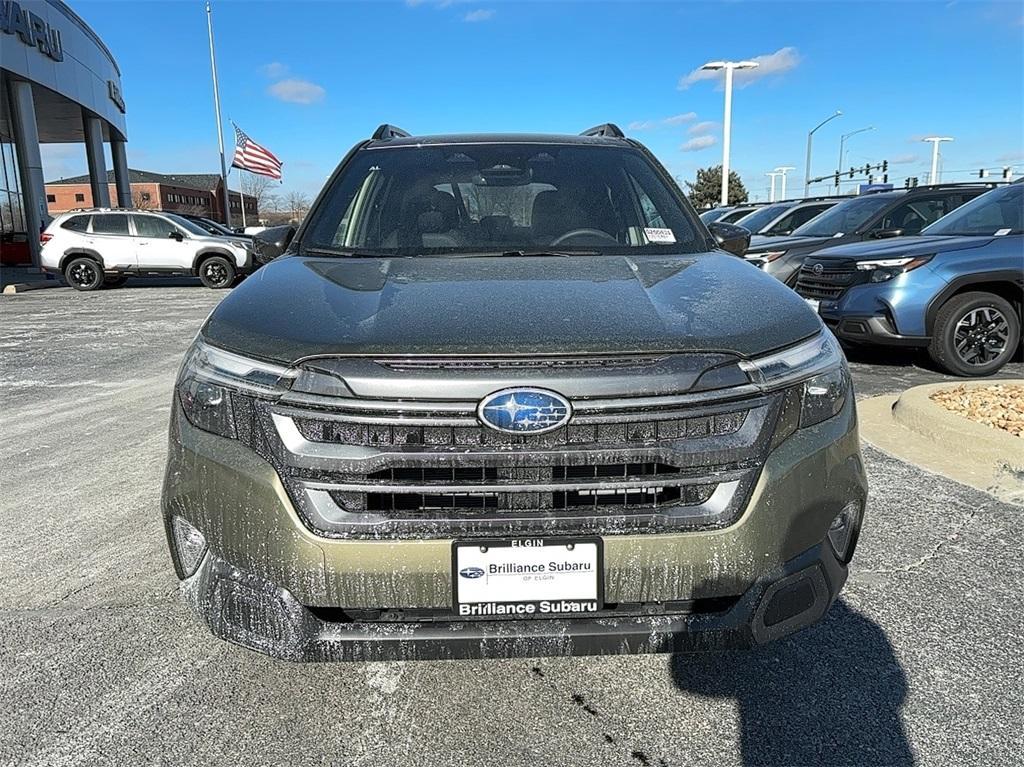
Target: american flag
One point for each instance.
(252, 157)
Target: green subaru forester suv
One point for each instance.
(505, 395)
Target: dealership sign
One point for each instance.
(31, 28)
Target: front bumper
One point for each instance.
(254, 613)
(867, 329)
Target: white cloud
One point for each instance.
(480, 14)
(698, 143)
(702, 128)
(783, 60)
(297, 91)
(641, 125)
(275, 70)
(904, 159)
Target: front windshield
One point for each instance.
(845, 217)
(999, 212)
(212, 227)
(187, 225)
(757, 220)
(473, 198)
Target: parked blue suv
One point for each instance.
(957, 289)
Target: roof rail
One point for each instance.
(385, 132)
(958, 184)
(610, 130)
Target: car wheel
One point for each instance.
(217, 272)
(975, 334)
(84, 273)
(116, 281)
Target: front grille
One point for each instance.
(829, 285)
(356, 467)
(336, 430)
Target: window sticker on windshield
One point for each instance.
(1002, 232)
(656, 235)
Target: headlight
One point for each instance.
(817, 365)
(884, 269)
(210, 378)
(760, 259)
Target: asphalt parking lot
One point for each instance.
(100, 662)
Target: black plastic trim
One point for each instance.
(1012, 277)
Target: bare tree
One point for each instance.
(257, 187)
(142, 200)
(297, 204)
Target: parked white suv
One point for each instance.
(101, 246)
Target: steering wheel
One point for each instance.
(581, 233)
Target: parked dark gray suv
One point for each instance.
(505, 395)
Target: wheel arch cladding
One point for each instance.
(71, 255)
(1007, 284)
(203, 255)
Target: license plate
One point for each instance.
(814, 303)
(526, 577)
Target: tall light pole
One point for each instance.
(842, 142)
(771, 194)
(729, 67)
(810, 138)
(782, 172)
(220, 129)
(935, 140)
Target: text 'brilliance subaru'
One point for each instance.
(505, 395)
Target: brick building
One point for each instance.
(195, 193)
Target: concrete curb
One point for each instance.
(23, 287)
(913, 428)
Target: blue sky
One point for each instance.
(309, 79)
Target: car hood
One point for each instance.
(898, 247)
(298, 307)
(761, 243)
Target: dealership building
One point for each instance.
(58, 84)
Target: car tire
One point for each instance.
(83, 273)
(217, 272)
(975, 334)
(115, 281)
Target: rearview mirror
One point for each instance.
(731, 238)
(176, 236)
(272, 242)
(884, 234)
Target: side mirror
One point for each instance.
(176, 235)
(731, 238)
(884, 234)
(272, 242)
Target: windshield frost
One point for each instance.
(465, 198)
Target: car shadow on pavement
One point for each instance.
(829, 695)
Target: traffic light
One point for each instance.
(1006, 173)
(983, 173)
(837, 179)
(885, 178)
(913, 180)
(871, 179)
(885, 166)
(906, 183)
(852, 171)
(867, 170)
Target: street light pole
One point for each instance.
(842, 142)
(771, 194)
(810, 139)
(729, 67)
(782, 172)
(935, 141)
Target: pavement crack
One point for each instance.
(936, 550)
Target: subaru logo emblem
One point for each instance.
(471, 572)
(817, 268)
(524, 411)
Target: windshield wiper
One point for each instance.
(345, 253)
(525, 254)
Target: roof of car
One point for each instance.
(494, 138)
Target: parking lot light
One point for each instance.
(810, 139)
(935, 141)
(729, 67)
(782, 171)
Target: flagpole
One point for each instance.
(241, 196)
(220, 128)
